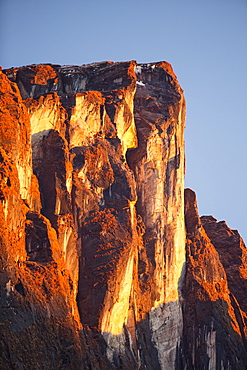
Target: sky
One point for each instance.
(206, 43)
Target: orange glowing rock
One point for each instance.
(96, 271)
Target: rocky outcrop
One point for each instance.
(38, 309)
(233, 255)
(97, 271)
(214, 324)
(15, 133)
(39, 319)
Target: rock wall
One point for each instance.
(214, 313)
(158, 166)
(96, 269)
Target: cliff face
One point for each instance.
(96, 269)
(214, 308)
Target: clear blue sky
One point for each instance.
(206, 43)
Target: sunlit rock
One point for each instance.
(96, 270)
(214, 324)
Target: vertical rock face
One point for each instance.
(15, 133)
(93, 236)
(214, 318)
(158, 165)
(233, 255)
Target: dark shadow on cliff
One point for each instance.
(37, 327)
(213, 324)
(209, 340)
(49, 166)
(155, 345)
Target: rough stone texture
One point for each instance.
(233, 256)
(15, 133)
(38, 310)
(39, 320)
(93, 246)
(214, 324)
(158, 166)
